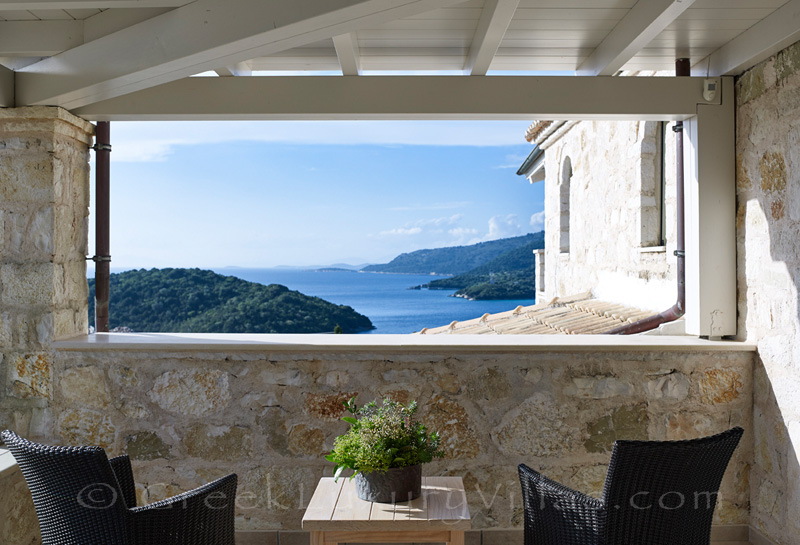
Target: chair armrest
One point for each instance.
(555, 513)
(121, 465)
(203, 516)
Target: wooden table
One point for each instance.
(336, 515)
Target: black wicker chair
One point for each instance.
(83, 498)
(655, 493)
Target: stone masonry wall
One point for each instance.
(612, 214)
(188, 417)
(44, 204)
(768, 230)
(18, 525)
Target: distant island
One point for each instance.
(200, 301)
(452, 260)
(500, 269)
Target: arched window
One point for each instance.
(563, 204)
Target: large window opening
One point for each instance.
(307, 205)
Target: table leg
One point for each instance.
(317, 537)
(456, 537)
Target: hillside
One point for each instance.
(452, 260)
(508, 276)
(198, 301)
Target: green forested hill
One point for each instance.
(199, 301)
(508, 276)
(452, 260)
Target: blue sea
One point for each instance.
(384, 298)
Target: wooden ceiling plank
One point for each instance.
(39, 38)
(775, 32)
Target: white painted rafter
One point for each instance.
(646, 20)
(6, 87)
(88, 4)
(492, 26)
(238, 69)
(197, 37)
(407, 97)
(775, 32)
(38, 38)
(347, 51)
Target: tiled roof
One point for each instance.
(577, 314)
(536, 128)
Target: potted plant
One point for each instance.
(385, 447)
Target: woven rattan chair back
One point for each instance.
(77, 498)
(664, 492)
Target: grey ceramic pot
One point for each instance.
(398, 484)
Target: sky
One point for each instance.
(303, 193)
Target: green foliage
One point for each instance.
(383, 437)
(199, 301)
(508, 276)
(453, 260)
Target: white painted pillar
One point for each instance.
(710, 184)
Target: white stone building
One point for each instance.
(610, 215)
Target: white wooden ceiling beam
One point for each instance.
(38, 38)
(492, 26)
(775, 32)
(347, 51)
(88, 4)
(409, 97)
(197, 37)
(238, 69)
(645, 21)
(6, 88)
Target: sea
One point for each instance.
(384, 298)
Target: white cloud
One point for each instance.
(537, 221)
(149, 141)
(503, 227)
(513, 161)
(403, 231)
(461, 232)
(433, 206)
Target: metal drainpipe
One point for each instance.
(677, 310)
(102, 260)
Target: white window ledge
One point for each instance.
(208, 342)
(653, 250)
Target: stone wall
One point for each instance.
(612, 213)
(18, 524)
(44, 206)
(768, 230)
(189, 417)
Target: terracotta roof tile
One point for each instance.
(573, 315)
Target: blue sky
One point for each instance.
(263, 194)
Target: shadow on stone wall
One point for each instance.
(768, 230)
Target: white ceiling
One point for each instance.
(78, 52)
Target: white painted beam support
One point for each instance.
(347, 51)
(6, 88)
(197, 37)
(38, 38)
(238, 69)
(645, 21)
(88, 4)
(407, 97)
(762, 40)
(492, 26)
(710, 172)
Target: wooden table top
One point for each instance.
(335, 507)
